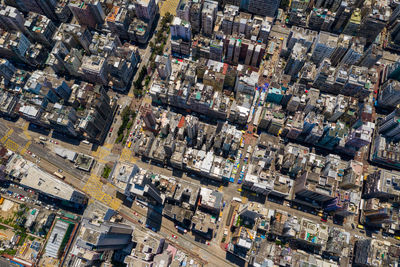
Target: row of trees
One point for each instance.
(157, 48)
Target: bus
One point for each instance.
(59, 175)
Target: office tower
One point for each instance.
(382, 184)
(95, 125)
(87, 13)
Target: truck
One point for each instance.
(59, 175)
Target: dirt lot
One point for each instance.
(8, 210)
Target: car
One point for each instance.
(352, 226)
(174, 236)
(111, 129)
(60, 170)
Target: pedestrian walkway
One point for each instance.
(94, 188)
(127, 156)
(168, 6)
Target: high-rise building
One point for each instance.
(325, 45)
(353, 25)
(94, 69)
(87, 13)
(343, 14)
(354, 53)
(216, 50)
(296, 60)
(7, 69)
(183, 10)
(43, 7)
(382, 184)
(94, 126)
(164, 68)
(263, 7)
(41, 29)
(371, 56)
(341, 49)
(371, 26)
(389, 95)
(181, 29)
(208, 16)
(303, 36)
(118, 21)
(195, 17)
(148, 117)
(146, 10)
(104, 237)
(11, 19)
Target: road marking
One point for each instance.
(94, 187)
(126, 155)
(11, 145)
(5, 137)
(101, 153)
(25, 148)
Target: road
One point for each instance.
(51, 163)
